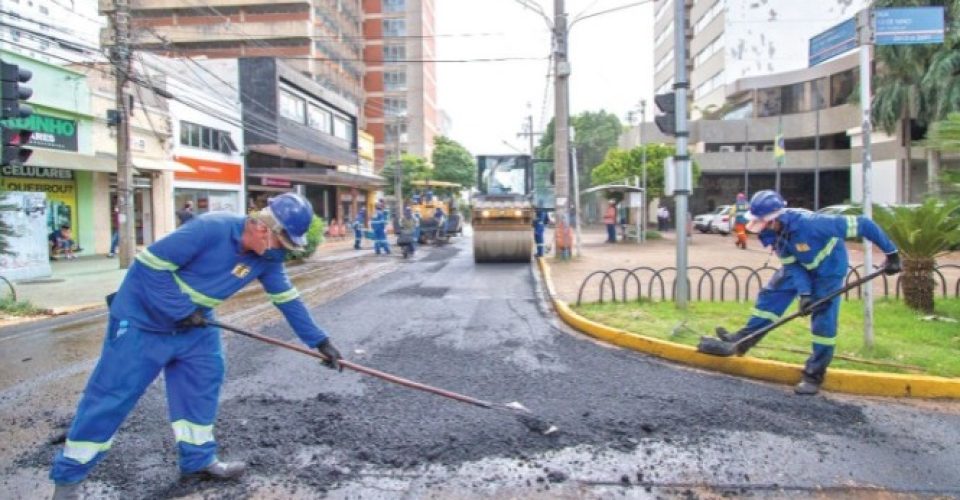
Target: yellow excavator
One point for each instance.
(503, 211)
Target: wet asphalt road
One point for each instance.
(630, 425)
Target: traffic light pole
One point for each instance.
(682, 157)
(121, 62)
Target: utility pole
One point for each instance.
(120, 57)
(643, 170)
(682, 157)
(529, 134)
(561, 128)
(398, 170)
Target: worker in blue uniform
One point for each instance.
(379, 226)
(159, 322)
(539, 224)
(815, 262)
(358, 224)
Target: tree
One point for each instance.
(596, 133)
(412, 168)
(944, 136)
(921, 234)
(453, 163)
(621, 164)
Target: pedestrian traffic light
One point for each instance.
(667, 104)
(14, 137)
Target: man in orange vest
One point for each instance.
(610, 219)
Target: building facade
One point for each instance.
(400, 109)
(36, 29)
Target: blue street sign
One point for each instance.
(833, 42)
(908, 25)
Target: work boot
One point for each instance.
(734, 338)
(807, 387)
(223, 470)
(67, 491)
(724, 334)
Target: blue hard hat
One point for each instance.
(294, 214)
(765, 206)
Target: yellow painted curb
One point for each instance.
(846, 381)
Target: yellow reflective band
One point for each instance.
(195, 296)
(851, 227)
(790, 259)
(280, 298)
(153, 262)
(759, 313)
(85, 451)
(823, 254)
(824, 341)
(191, 433)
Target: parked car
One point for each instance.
(702, 222)
(722, 220)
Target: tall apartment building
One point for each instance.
(400, 83)
(319, 38)
(36, 29)
(732, 39)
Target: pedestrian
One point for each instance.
(663, 218)
(610, 219)
(379, 226)
(115, 232)
(358, 224)
(741, 208)
(811, 248)
(61, 242)
(408, 229)
(160, 321)
(440, 219)
(539, 224)
(185, 214)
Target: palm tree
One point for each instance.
(941, 85)
(921, 234)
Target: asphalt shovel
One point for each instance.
(717, 347)
(524, 415)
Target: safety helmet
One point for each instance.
(741, 196)
(765, 206)
(289, 216)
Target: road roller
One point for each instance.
(502, 210)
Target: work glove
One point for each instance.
(892, 265)
(333, 355)
(196, 319)
(806, 305)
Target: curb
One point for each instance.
(837, 380)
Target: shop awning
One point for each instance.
(151, 164)
(71, 161)
(326, 177)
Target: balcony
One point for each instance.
(216, 30)
(136, 5)
(762, 161)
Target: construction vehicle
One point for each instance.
(429, 195)
(503, 211)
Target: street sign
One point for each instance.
(908, 25)
(833, 42)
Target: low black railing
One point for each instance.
(729, 283)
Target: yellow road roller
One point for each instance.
(502, 210)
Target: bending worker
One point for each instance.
(159, 322)
(358, 224)
(814, 258)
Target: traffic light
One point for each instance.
(667, 104)
(12, 111)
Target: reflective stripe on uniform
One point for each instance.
(195, 296)
(282, 297)
(85, 451)
(823, 254)
(824, 341)
(760, 313)
(191, 433)
(851, 227)
(156, 263)
(790, 259)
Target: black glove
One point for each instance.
(195, 320)
(806, 303)
(333, 355)
(892, 265)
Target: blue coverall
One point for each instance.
(379, 226)
(358, 224)
(810, 247)
(199, 265)
(539, 223)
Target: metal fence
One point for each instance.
(738, 283)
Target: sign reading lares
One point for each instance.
(908, 25)
(833, 42)
(48, 131)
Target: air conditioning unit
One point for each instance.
(750, 148)
(727, 148)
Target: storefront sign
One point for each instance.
(29, 257)
(36, 172)
(48, 131)
(269, 181)
(209, 171)
(61, 196)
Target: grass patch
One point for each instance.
(10, 307)
(901, 338)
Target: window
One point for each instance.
(708, 16)
(319, 118)
(292, 107)
(393, 106)
(395, 132)
(394, 53)
(768, 101)
(741, 112)
(841, 86)
(819, 93)
(662, 63)
(395, 80)
(394, 5)
(705, 53)
(208, 138)
(663, 35)
(709, 85)
(662, 9)
(666, 86)
(394, 27)
(793, 98)
(342, 128)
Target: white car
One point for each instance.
(722, 221)
(702, 222)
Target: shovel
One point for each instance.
(524, 415)
(718, 347)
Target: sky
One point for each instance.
(610, 56)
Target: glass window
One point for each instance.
(395, 80)
(292, 107)
(395, 106)
(319, 118)
(394, 27)
(793, 98)
(394, 53)
(394, 5)
(819, 93)
(768, 102)
(841, 86)
(342, 128)
(741, 112)
(184, 133)
(206, 138)
(394, 132)
(195, 135)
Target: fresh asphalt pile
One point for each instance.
(301, 426)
